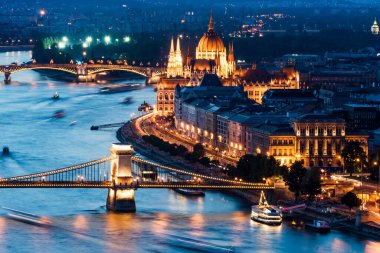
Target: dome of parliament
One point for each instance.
(210, 41)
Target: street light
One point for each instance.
(375, 163)
(65, 39)
(61, 45)
(127, 39)
(107, 39)
(89, 39)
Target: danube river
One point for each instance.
(39, 142)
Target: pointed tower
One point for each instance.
(172, 68)
(172, 46)
(211, 24)
(188, 57)
(375, 28)
(178, 59)
(231, 60)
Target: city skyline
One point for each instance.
(189, 126)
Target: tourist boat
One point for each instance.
(265, 213)
(59, 114)
(190, 192)
(319, 226)
(144, 107)
(27, 217)
(119, 88)
(55, 96)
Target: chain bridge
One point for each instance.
(84, 72)
(122, 173)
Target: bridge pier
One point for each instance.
(152, 80)
(7, 77)
(86, 78)
(121, 198)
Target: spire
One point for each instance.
(178, 47)
(211, 24)
(231, 56)
(172, 45)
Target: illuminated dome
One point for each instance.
(210, 41)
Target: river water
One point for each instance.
(39, 142)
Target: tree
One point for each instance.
(350, 154)
(205, 161)
(311, 183)
(351, 200)
(255, 168)
(198, 151)
(294, 177)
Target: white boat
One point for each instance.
(265, 213)
(55, 96)
(27, 217)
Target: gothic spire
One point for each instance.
(211, 23)
(178, 47)
(172, 45)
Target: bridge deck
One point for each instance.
(108, 184)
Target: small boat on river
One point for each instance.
(59, 114)
(55, 96)
(319, 226)
(144, 107)
(119, 88)
(265, 213)
(127, 100)
(27, 217)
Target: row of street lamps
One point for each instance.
(87, 42)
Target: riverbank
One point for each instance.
(16, 48)
(132, 132)
(128, 133)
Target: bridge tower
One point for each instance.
(7, 77)
(121, 197)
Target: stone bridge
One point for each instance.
(85, 72)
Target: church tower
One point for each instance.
(231, 60)
(375, 28)
(175, 66)
(170, 72)
(178, 58)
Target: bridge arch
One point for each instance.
(67, 70)
(138, 72)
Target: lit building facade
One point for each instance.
(211, 56)
(318, 140)
(256, 82)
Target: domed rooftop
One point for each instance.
(210, 41)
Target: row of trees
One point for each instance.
(172, 149)
(302, 181)
(255, 168)
(139, 49)
(198, 154)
